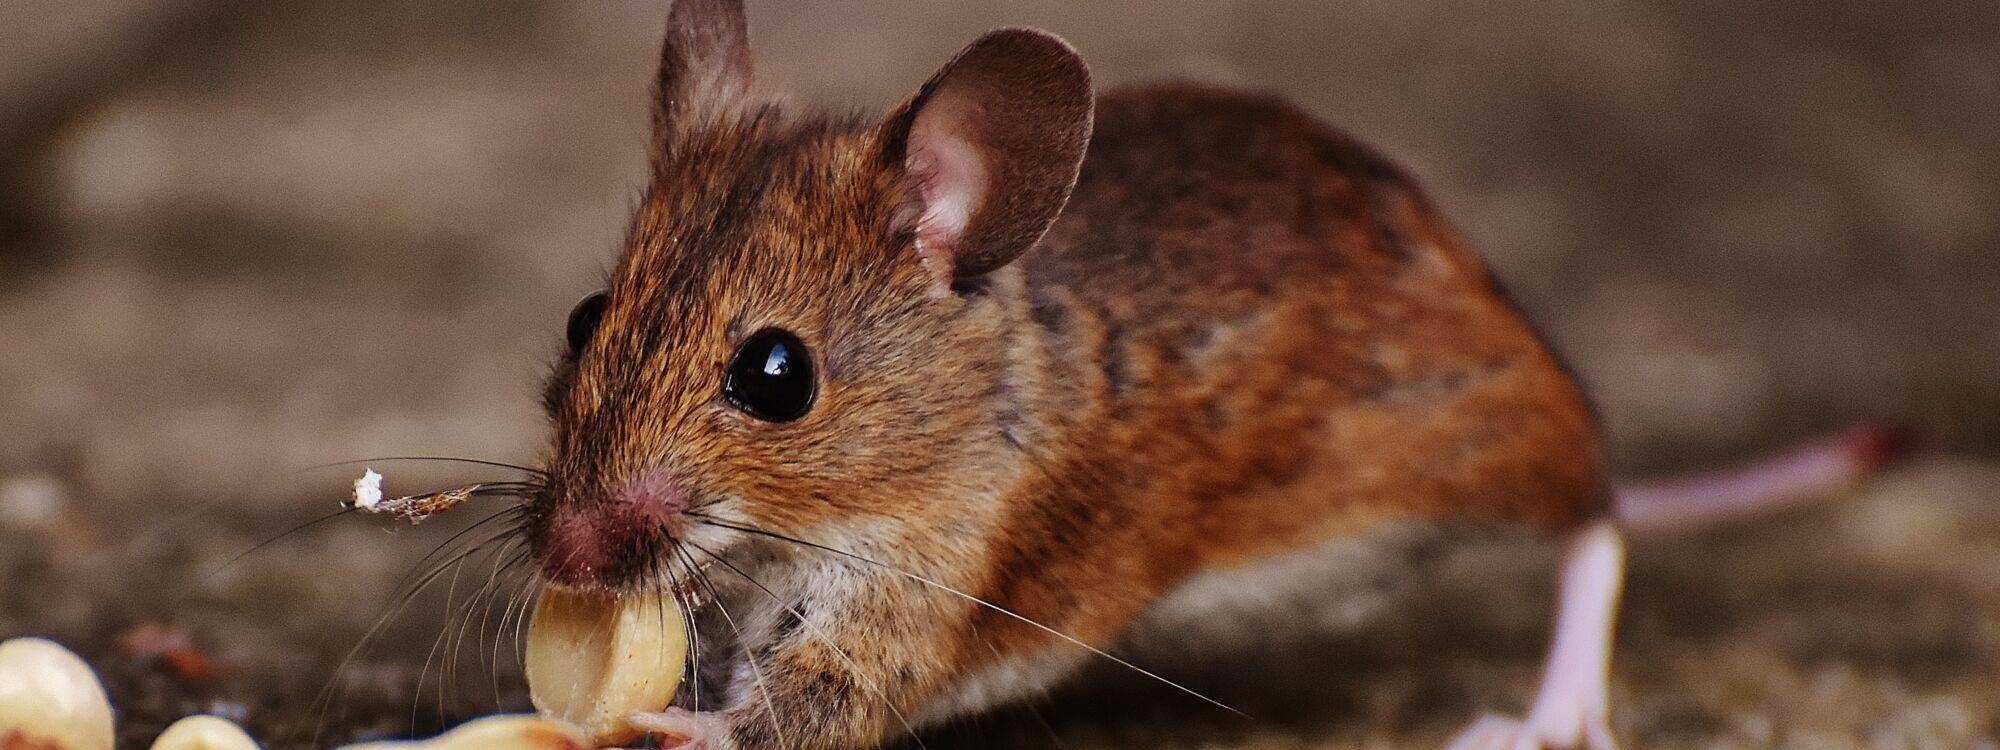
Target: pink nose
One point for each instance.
(574, 551)
(605, 543)
(653, 499)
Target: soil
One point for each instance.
(237, 239)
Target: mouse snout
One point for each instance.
(610, 540)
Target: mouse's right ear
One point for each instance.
(704, 62)
(989, 149)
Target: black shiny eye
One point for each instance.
(583, 321)
(771, 377)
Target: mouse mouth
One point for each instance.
(721, 621)
(581, 550)
(734, 587)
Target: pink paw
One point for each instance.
(686, 730)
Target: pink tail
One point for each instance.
(1826, 465)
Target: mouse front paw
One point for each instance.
(1494, 732)
(681, 729)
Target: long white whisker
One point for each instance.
(531, 597)
(481, 602)
(332, 692)
(983, 603)
(770, 706)
(824, 638)
(500, 629)
(1033, 709)
(443, 638)
(687, 621)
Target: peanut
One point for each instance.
(50, 698)
(595, 659)
(495, 733)
(204, 733)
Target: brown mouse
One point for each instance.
(932, 410)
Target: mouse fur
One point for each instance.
(1073, 351)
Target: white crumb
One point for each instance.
(368, 490)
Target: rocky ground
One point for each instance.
(239, 239)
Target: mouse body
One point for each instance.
(1248, 336)
(922, 414)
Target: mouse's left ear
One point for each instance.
(704, 62)
(990, 148)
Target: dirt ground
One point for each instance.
(1862, 621)
(238, 240)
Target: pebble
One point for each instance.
(31, 502)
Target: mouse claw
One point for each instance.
(686, 730)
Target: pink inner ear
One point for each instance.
(951, 181)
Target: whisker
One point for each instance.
(210, 576)
(514, 607)
(531, 595)
(475, 526)
(417, 508)
(518, 489)
(770, 706)
(453, 459)
(420, 577)
(330, 693)
(1035, 710)
(445, 634)
(487, 593)
(520, 555)
(711, 520)
(693, 632)
(417, 693)
(481, 603)
(814, 628)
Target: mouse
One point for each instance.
(921, 413)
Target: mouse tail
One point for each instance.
(1822, 466)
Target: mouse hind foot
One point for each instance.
(1573, 708)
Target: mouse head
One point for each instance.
(807, 331)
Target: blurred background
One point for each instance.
(239, 240)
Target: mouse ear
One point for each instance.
(990, 147)
(704, 62)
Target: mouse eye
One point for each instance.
(583, 321)
(771, 377)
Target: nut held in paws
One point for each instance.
(595, 659)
